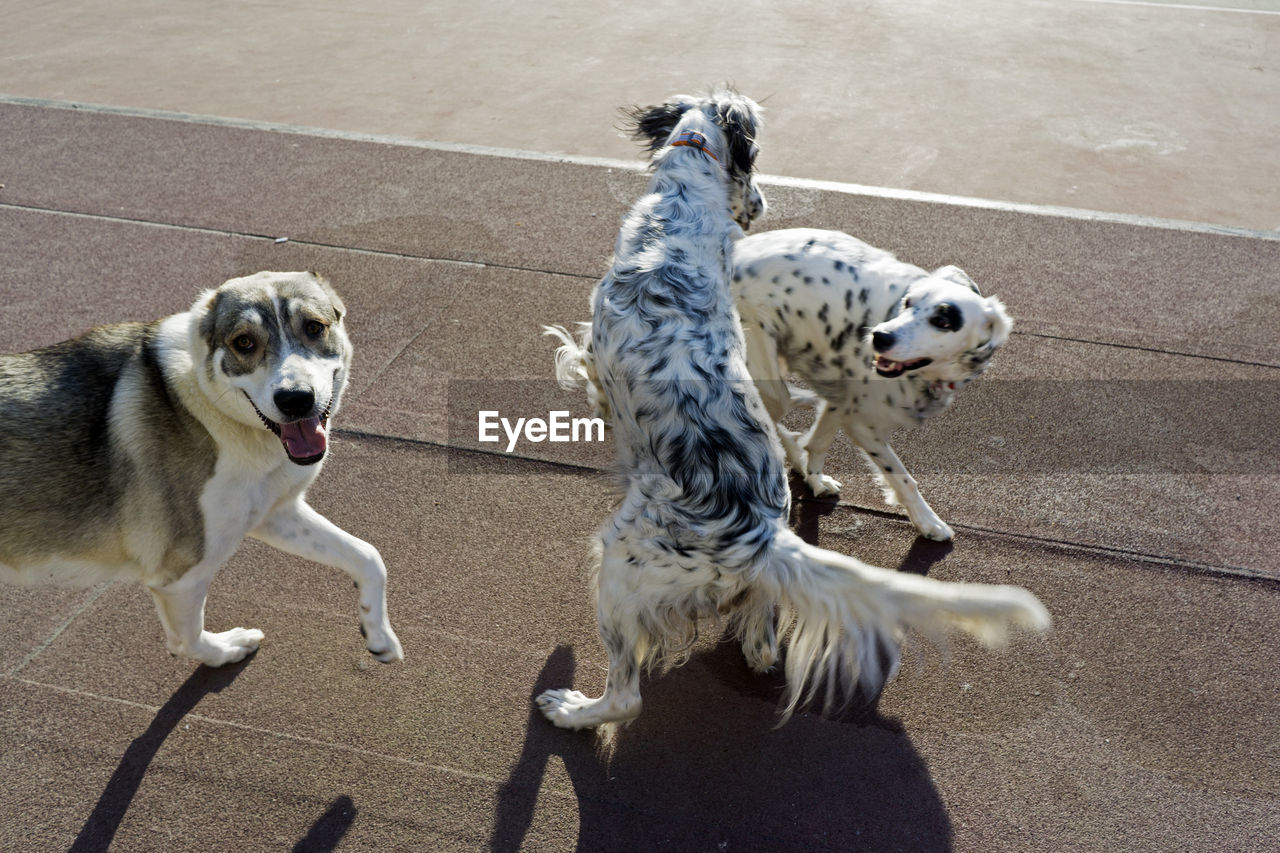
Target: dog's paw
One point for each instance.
(761, 651)
(821, 484)
(383, 643)
(227, 646)
(936, 529)
(762, 660)
(564, 707)
(570, 709)
(388, 652)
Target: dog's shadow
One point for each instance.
(100, 827)
(923, 555)
(329, 828)
(704, 768)
(807, 511)
(806, 517)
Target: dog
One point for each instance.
(701, 528)
(882, 343)
(150, 450)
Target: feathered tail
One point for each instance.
(575, 364)
(847, 618)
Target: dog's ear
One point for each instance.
(204, 315)
(739, 117)
(652, 126)
(205, 301)
(339, 309)
(959, 276)
(998, 322)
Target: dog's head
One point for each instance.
(723, 124)
(945, 330)
(277, 338)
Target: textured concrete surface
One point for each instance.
(1119, 459)
(1165, 109)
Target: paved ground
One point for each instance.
(1120, 459)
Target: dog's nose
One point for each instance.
(294, 403)
(882, 341)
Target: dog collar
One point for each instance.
(693, 139)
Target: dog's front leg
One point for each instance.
(180, 606)
(901, 485)
(296, 528)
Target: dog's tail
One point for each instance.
(847, 619)
(575, 364)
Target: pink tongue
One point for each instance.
(303, 439)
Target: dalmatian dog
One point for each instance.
(882, 344)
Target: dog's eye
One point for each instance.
(906, 303)
(244, 344)
(314, 328)
(946, 318)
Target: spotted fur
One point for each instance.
(882, 343)
(702, 528)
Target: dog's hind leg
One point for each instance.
(623, 638)
(766, 373)
(756, 625)
(816, 443)
(180, 606)
(296, 528)
(900, 486)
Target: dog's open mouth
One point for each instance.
(305, 440)
(888, 368)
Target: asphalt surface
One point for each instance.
(1119, 459)
(1158, 107)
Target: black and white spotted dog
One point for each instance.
(702, 525)
(883, 344)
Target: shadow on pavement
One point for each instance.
(806, 517)
(326, 833)
(807, 511)
(923, 555)
(100, 827)
(703, 768)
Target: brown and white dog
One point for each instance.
(150, 450)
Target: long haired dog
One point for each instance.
(702, 525)
(882, 343)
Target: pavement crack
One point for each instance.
(279, 735)
(1159, 350)
(1163, 561)
(94, 595)
(578, 276)
(297, 241)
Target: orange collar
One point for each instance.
(693, 139)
